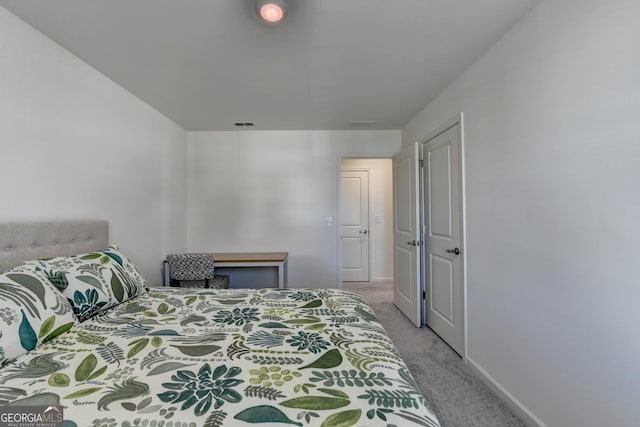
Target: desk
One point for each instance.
(225, 260)
(254, 259)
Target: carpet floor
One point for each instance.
(456, 395)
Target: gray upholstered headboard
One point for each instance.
(24, 241)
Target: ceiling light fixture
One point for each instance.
(271, 11)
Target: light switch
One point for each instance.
(378, 219)
(329, 221)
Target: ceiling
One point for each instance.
(208, 63)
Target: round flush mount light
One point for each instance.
(271, 11)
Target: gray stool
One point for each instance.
(194, 271)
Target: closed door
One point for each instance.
(406, 234)
(354, 227)
(443, 237)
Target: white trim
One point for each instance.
(421, 235)
(381, 279)
(339, 157)
(381, 155)
(518, 407)
(336, 222)
(463, 201)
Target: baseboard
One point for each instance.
(516, 406)
(381, 279)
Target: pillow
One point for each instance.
(94, 281)
(32, 311)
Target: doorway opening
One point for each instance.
(365, 221)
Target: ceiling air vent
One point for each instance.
(360, 123)
(243, 124)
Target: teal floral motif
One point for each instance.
(303, 296)
(238, 316)
(203, 389)
(312, 342)
(85, 305)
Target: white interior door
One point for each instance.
(354, 227)
(406, 240)
(443, 237)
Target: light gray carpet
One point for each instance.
(457, 396)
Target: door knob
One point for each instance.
(453, 251)
(415, 243)
(363, 231)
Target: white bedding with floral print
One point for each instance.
(184, 357)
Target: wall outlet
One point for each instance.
(329, 221)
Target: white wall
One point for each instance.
(272, 191)
(553, 174)
(381, 204)
(77, 146)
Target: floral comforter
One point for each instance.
(185, 357)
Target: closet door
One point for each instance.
(443, 237)
(406, 234)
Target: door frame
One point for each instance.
(458, 119)
(337, 222)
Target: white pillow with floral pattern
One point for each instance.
(32, 311)
(94, 281)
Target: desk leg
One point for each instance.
(165, 279)
(281, 283)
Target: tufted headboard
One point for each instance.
(24, 241)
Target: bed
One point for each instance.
(185, 357)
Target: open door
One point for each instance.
(443, 237)
(406, 234)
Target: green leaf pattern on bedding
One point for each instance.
(179, 357)
(32, 311)
(94, 281)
